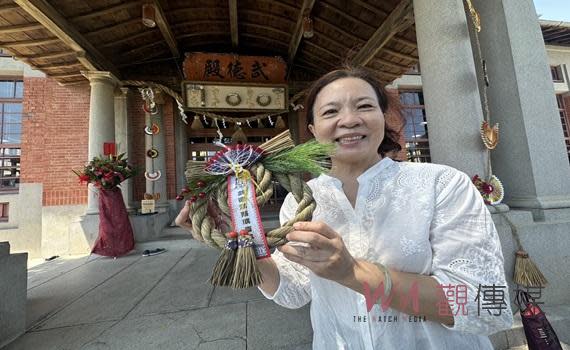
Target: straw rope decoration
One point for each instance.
(213, 213)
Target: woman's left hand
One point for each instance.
(326, 254)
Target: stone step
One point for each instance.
(514, 338)
(4, 248)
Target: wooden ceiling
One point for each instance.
(64, 37)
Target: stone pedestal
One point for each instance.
(13, 289)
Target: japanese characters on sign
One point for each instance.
(234, 68)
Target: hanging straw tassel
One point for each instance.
(527, 273)
(224, 268)
(246, 271)
(196, 124)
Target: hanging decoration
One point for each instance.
(153, 130)
(239, 137)
(526, 272)
(152, 153)
(152, 175)
(280, 124)
(149, 106)
(227, 191)
(149, 84)
(489, 135)
(196, 123)
(492, 191)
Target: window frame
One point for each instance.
(423, 142)
(8, 146)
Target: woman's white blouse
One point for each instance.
(420, 218)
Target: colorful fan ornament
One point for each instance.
(227, 191)
(492, 190)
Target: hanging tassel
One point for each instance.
(527, 273)
(280, 124)
(224, 268)
(239, 137)
(196, 123)
(246, 271)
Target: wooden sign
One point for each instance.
(234, 68)
(209, 96)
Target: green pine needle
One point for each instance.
(310, 157)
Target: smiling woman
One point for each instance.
(418, 234)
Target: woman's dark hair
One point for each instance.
(391, 135)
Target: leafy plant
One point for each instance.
(106, 172)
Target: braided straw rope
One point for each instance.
(203, 224)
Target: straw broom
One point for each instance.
(527, 273)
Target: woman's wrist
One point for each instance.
(352, 278)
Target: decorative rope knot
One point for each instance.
(233, 185)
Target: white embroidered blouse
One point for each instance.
(421, 218)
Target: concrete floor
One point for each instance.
(159, 302)
(165, 302)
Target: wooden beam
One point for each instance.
(403, 56)
(58, 66)
(48, 55)
(48, 16)
(34, 42)
(405, 41)
(395, 23)
(64, 75)
(73, 82)
(306, 9)
(106, 10)
(389, 63)
(20, 28)
(127, 39)
(234, 22)
(377, 11)
(129, 23)
(265, 28)
(8, 7)
(141, 48)
(164, 27)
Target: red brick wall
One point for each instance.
(137, 154)
(169, 113)
(55, 139)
